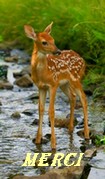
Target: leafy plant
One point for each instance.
(78, 25)
(99, 140)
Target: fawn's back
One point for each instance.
(68, 65)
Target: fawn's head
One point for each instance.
(44, 41)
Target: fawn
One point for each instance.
(52, 68)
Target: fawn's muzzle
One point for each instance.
(58, 52)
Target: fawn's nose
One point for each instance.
(57, 52)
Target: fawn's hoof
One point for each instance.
(53, 143)
(86, 135)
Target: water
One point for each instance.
(16, 135)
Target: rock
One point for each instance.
(21, 54)
(16, 115)
(98, 161)
(48, 136)
(80, 133)
(45, 176)
(80, 125)
(96, 173)
(4, 52)
(11, 59)
(44, 140)
(3, 71)
(24, 81)
(29, 112)
(89, 153)
(5, 85)
(61, 122)
(26, 70)
(33, 96)
(72, 172)
(0, 103)
(35, 122)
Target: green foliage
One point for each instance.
(99, 140)
(78, 24)
(1, 38)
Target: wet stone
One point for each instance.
(89, 153)
(11, 59)
(44, 140)
(99, 160)
(24, 81)
(20, 54)
(81, 133)
(47, 136)
(96, 173)
(61, 123)
(4, 84)
(45, 176)
(35, 122)
(33, 96)
(4, 52)
(16, 115)
(80, 125)
(24, 71)
(29, 112)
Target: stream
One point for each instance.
(17, 134)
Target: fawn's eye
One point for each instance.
(44, 43)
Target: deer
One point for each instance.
(51, 69)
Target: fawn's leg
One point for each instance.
(72, 98)
(52, 92)
(83, 99)
(72, 107)
(42, 98)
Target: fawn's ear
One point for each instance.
(30, 32)
(48, 28)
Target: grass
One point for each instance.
(78, 25)
(99, 140)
